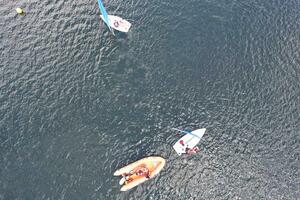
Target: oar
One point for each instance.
(186, 132)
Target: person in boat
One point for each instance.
(191, 151)
(181, 142)
(188, 150)
(143, 171)
(139, 171)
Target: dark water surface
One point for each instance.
(77, 103)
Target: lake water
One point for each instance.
(77, 103)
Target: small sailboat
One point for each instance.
(112, 21)
(189, 140)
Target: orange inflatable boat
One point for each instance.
(140, 171)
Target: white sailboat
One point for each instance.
(113, 21)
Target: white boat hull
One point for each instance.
(118, 23)
(189, 140)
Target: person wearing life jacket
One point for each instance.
(191, 151)
(143, 171)
(139, 171)
(188, 150)
(181, 142)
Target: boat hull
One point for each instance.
(118, 23)
(154, 163)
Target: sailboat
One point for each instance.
(112, 21)
(189, 140)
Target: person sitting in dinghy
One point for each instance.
(139, 171)
(143, 171)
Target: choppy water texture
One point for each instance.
(77, 103)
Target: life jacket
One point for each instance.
(142, 171)
(181, 142)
